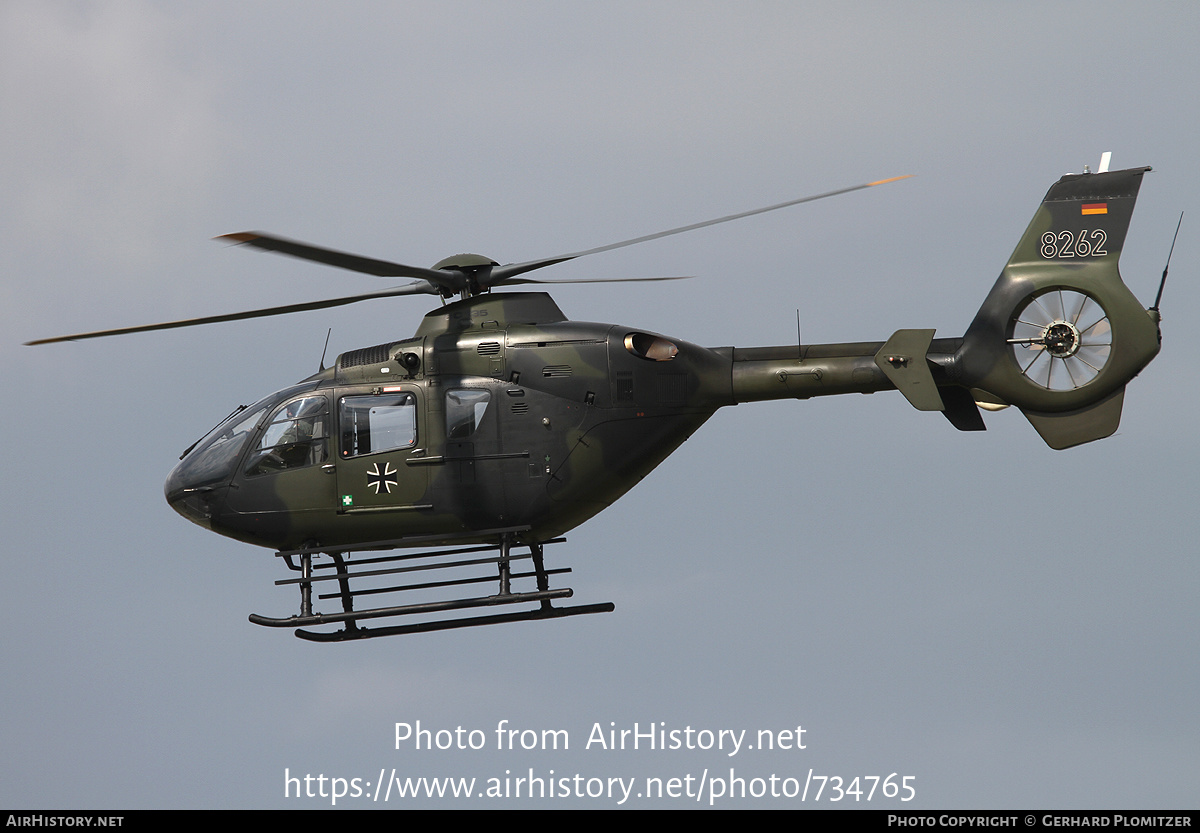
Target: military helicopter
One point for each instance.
(501, 425)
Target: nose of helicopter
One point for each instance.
(198, 503)
(197, 487)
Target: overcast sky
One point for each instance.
(1012, 626)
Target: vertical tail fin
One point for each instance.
(1060, 335)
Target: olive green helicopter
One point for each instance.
(501, 425)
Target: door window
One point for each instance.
(464, 411)
(377, 423)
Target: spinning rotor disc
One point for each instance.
(1061, 339)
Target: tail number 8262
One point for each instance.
(1089, 243)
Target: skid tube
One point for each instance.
(344, 571)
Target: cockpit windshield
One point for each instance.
(212, 460)
(214, 457)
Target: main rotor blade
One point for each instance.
(342, 260)
(503, 274)
(420, 288)
(511, 281)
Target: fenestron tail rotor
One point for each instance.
(464, 275)
(1061, 339)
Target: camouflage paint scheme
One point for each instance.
(578, 413)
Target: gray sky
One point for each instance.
(1013, 626)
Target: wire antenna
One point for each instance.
(1163, 282)
(799, 343)
(325, 349)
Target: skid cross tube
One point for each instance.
(470, 562)
(428, 585)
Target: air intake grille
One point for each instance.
(366, 355)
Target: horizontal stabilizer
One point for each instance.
(902, 359)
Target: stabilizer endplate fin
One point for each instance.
(1093, 422)
(902, 359)
(961, 409)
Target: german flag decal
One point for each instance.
(1094, 208)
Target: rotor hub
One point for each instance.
(1062, 339)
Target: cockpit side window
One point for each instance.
(377, 423)
(464, 411)
(295, 437)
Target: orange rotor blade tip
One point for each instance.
(893, 179)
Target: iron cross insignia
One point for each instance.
(385, 479)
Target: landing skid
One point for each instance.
(450, 573)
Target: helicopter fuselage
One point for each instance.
(499, 414)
